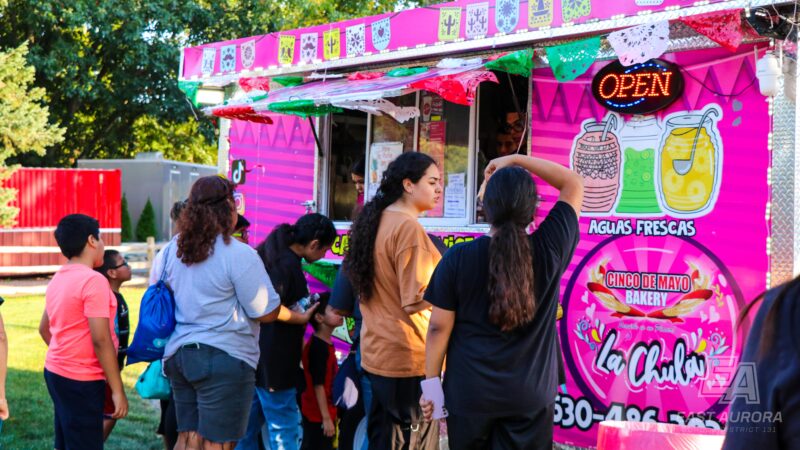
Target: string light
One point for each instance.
(768, 209)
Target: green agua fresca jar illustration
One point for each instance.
(640, 138)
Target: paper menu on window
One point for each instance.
(456, 179)
(455, 195)
(380, 155)
(432, 141)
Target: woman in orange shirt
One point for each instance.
(390, 262)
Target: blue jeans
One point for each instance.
(283, 428)
(366, 395)
(255, 423)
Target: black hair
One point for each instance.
(109, 261)
(324, 297)
(503, 128)
(73, 231)
(359, 167)
(510, 202)
(308, 228)
(360, 259)
(241, 223)
(175, 212)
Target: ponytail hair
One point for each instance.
(308, 228)
(510, 202)
(360, 259)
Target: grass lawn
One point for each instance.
(31, 424)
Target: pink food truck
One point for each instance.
(679, 114)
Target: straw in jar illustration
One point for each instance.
(596, 156)
(690, 163)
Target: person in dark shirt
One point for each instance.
(241, 230)
(494, 299)
(319, 367)
(278, 373)
(116, 269)
(765, 413)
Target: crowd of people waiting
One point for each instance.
(236, 360)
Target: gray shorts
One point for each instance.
(213, 392)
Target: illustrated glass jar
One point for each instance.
(597, 159)
(639, 138)
(689, 162)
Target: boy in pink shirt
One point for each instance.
(78, 327)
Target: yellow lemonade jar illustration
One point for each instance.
(690, 163)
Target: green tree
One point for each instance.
(105, 64)
(108, 64)
(179, 141)
(146, 226)
(127, 227)
(23, 121)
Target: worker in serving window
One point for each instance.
(357, 175)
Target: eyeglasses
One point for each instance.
(518, 126)
(244, 234)
(124, 263)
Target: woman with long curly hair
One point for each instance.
(389, 264)
(494, 312)
(222, 292)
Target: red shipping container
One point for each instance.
(46, 195)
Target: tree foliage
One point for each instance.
(23, 117)
(146, 226)
(110, 67)
(126, 234)
(104, 65)
(24, 122)
(179, 141)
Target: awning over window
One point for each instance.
(453, 79)
(340, 90)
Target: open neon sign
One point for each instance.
(639, 89)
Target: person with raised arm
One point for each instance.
(494, 299)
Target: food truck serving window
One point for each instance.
(345, 171)
(461, 139)
(444, 135)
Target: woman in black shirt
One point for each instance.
(278, 373)
(494, 312)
